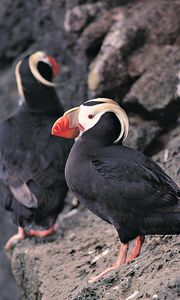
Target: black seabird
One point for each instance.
(120, 185)
(32, 161)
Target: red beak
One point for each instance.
(55, 65)
(66, 126)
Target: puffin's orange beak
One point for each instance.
(55, 65)
(67, 125)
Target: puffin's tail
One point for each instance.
(166, 221)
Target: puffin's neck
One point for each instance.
(87, 147)
(42, 99)
(104, 133)
(97, 142)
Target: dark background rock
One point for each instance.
(8, 93)
(142, 133)
(156, 89)
(169, 157)
(126, 50)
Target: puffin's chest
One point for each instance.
(78, 173)
(85, 183)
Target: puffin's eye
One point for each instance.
(90, 116)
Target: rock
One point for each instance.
(149, 55)
(93, 50)
(16, 28)
(172, 290)
(141, 133)
(93, 35)
(79, 16)
(8, 94)
(156, 89)
(169, 157)
(108, 71)
(60, 269)
(23, 32)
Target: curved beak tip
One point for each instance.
(61, 128)
(56, 129)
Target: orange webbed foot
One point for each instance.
(120, 261)
(43, 233)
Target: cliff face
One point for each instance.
(128, 51)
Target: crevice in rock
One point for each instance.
(166, 116)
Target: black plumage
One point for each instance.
(32, 161)
(120, 185)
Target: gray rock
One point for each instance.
(156, 89)
(79, 16)
(169, 157)
(8, 94)
(141, 133)
(16, 30)
(132, 29)
(60, 269)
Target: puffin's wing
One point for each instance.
(28, 174)
(141, 183)
(13, 177)
(10, 204)
(16, 181)
(48, 163)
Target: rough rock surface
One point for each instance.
(8, 287)
(8, 94)
(60, 269)
(141, 133)
(128, 50)
(162, 64)
(144, 23)
(169, 157)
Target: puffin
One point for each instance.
(32, 161)
(120, 185)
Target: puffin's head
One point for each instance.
(35, 67)
(99, 117)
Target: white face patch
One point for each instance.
(88, 117)
(18, 81)
(91, 111)
(33, 61)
